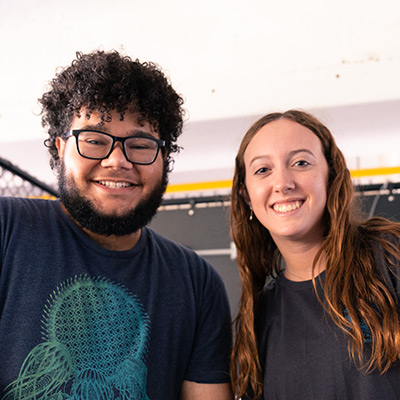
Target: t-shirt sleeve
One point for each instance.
(209, 362)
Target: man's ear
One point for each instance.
(60, 144)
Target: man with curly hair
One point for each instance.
(94, 304)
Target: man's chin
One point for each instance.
(113, 220)
(110, 222)
(111, 213)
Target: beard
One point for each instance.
(84, 212)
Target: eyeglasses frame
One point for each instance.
(76, 132)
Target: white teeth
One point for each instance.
(284, 208)
(115, 185)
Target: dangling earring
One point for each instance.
(251, 215)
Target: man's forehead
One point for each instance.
(103, 117)
(112, 122)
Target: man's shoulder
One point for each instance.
(24, 200)
(25, 203)
(15, 208)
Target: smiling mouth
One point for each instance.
(285, 208)
(115, 185)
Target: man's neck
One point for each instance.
(113, 242)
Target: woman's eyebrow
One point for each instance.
(297, 151)
(291, 154)
(262, 157)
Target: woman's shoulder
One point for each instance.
(270, 284)
(386, 254)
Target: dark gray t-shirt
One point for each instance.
(304, 354)
(82, 321)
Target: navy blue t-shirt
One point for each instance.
(82, 321)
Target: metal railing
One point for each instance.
(18, 183)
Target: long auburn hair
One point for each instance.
(351, 282)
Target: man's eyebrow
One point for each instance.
(102, 128)
(93, 127)
(138, 132)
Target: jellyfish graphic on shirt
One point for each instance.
(95, 337)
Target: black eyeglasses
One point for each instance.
(97, 145)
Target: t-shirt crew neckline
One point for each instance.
(90, 243)
(300, 285)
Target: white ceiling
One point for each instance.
(232, 61)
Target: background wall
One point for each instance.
(232, 61)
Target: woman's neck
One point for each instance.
(299, 259)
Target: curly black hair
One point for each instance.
(106, 81)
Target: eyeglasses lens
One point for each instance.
(97, 145)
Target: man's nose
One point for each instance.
(117, 158)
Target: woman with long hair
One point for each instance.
(319, 310)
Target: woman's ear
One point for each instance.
(245, 195)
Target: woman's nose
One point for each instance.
(284, 181)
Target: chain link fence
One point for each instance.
(18, 183)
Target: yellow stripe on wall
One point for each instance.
(227, 184)
(361, 173)
(185, 187)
